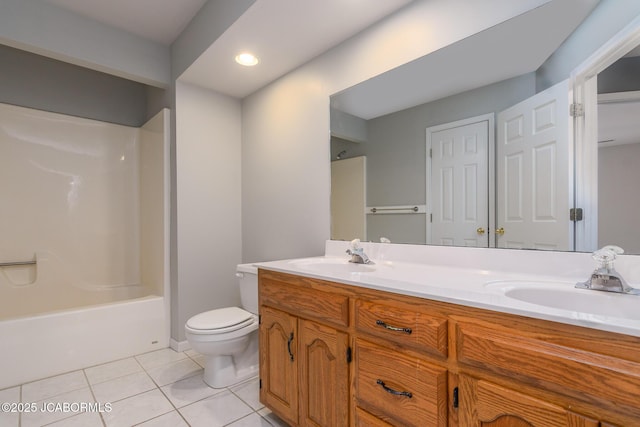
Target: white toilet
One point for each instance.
(228, 337)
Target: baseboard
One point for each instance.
(179, 346)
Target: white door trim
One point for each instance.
(490, 117)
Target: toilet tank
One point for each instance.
(247, 275)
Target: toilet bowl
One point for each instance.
(228, 337)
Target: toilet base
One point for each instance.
(220, 372)
(224, 371)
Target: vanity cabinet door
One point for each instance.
(324, 375)
(484, 404)
(279, 363)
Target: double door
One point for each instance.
(521, 200)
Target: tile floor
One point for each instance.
(163, 388)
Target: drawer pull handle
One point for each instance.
(393, 328)
(289, 346)
(392, 391)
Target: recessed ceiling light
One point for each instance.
(247, 59)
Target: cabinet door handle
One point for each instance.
(393, 328)
(392, 391)
(289, 346)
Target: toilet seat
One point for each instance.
(220, 321)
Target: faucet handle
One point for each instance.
(615, 249)
(606, 255)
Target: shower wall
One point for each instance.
(154, 204)
(85, 200)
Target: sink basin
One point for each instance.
(327, 266)
(564, 296)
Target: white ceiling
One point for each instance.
(158, 20)
(618, 121)
(284, 34)
(515, 47)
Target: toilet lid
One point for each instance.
(223, 319)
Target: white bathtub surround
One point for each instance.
(85, 200)
(478, 278)
(88, 201)
(70, 188)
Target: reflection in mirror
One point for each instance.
(483, 75)
(619, 153)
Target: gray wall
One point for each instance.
(621, 76)
(618, 176)
(396, 152)
(34, 81)
(43, 27)
(353, 149)
(215, 17)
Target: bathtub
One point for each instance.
(84, 254)
(54, 343)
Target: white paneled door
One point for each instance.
(459, 182)
(534, 184)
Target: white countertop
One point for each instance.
(467, 284)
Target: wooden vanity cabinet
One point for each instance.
(340, 355)
(331, 356)
(571, 370)
(304, 351)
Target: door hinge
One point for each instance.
(430, 152)
(349, 355)
(575, 214)
(259, 319)
(455, 397)
(260, 382)
(576, 110)
(430, 217)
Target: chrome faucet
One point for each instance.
(357, 253)
(605, 277)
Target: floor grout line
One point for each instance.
(156, 386)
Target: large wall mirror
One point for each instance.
(473, 145)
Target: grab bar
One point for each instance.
(15, 263)
(414, 209)
(404, 209)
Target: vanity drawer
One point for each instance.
(399, 389)
(404, 325)
(328, 307)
